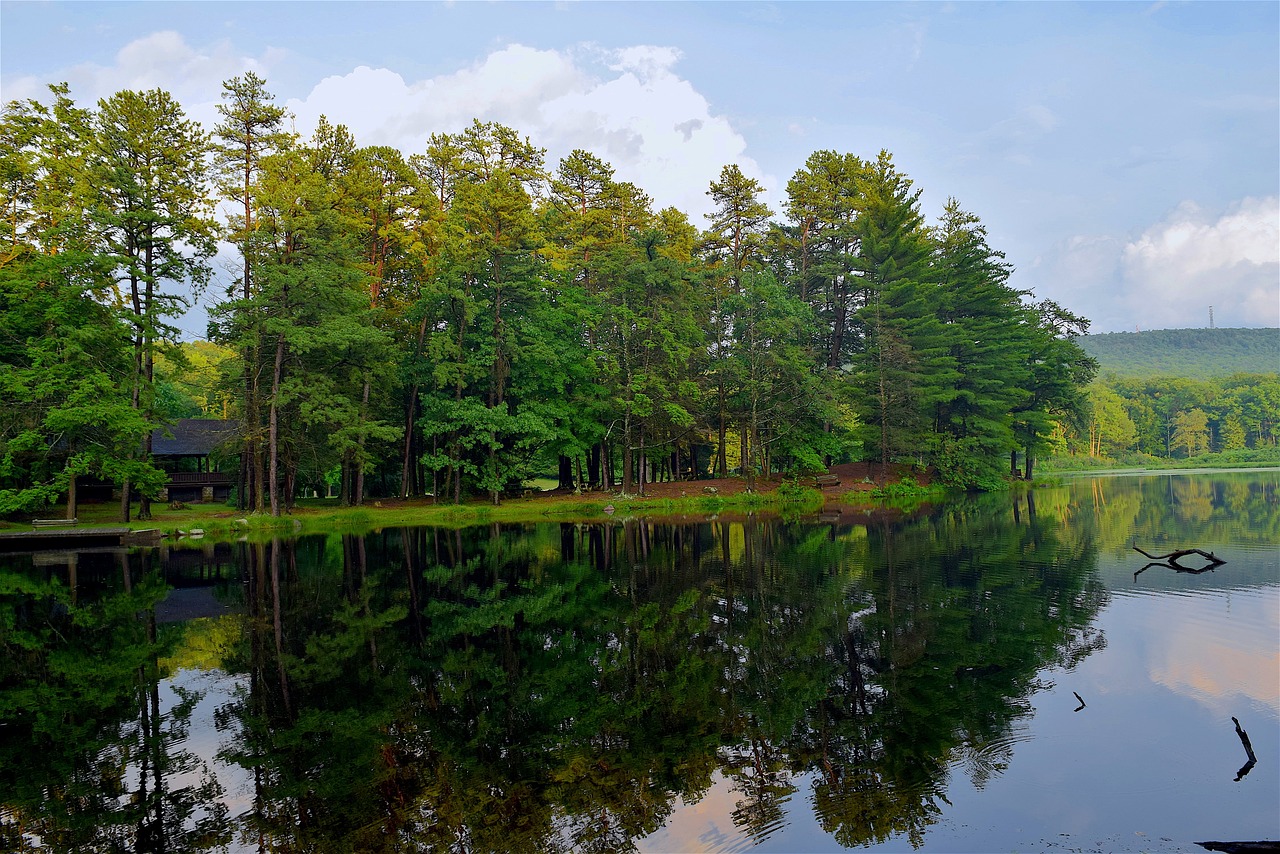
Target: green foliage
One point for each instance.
(1164, 417)
(906, 488)
(71, 366)
(459, 319)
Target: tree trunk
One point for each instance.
(290, 486)
(593, 466)
(273, 435)
(644, 463)
(242, 486)
(406, 471)
(564, 475)
(148, 366)
(627, 472)
(71, 497)
(722, 462)
(259, 478)
(364, 416)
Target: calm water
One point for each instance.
(988, 676)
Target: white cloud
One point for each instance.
(1177, 268)
(1169, 275)
(653, 126)
(160, 60)
(628, 106)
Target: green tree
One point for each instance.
(1111, 431)
(651, 337)
(820, 249)
(980, 314)
(1231, 435)
(904, 370)
(1190, 432)
(587, 253)
(778, 400)
(251, 129)
(1058, 371)
(486, 283)
(64, 353)
(315, 311)
(154, 217)
(734, 242)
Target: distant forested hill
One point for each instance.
(1189, 353)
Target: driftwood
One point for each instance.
(1081, 699)
(1248, 751)
(1170, 561)
(1172, 557)
(1240, 847)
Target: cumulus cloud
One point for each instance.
(163, 60)
(1168, 275)
(628, 106)
(1177, 268)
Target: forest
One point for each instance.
(1194, 354)
(1134, 419)
(1177, 394)
(459, 319)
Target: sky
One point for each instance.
(1124, 156)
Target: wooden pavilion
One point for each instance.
(189, 451)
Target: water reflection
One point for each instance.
(552, 687)
(88, 759)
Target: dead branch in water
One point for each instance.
(1248, 750)
(1172, 557)
(1170, 561)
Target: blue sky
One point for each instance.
(1125, 156)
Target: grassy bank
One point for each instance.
(1244, 458)
(327, 516)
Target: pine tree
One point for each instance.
(154, 215)
(903, 370)
(734, 242)
(65, 354)
(249, 131)
(980, 313)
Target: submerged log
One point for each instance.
(1248, 750)
(1170, 561)
(1172, 557)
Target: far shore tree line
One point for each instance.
(456, 321)
(1129, 418)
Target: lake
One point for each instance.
(1004, 672)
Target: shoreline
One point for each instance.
(891, 494)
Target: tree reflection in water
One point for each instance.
(558, 687)
(88, 759)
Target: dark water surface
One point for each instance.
(986, 676)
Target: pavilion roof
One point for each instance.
(193, 437)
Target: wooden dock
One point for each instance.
(76, 539)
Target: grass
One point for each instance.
(1242, 458)
(320, 515)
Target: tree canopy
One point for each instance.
(459, 319)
